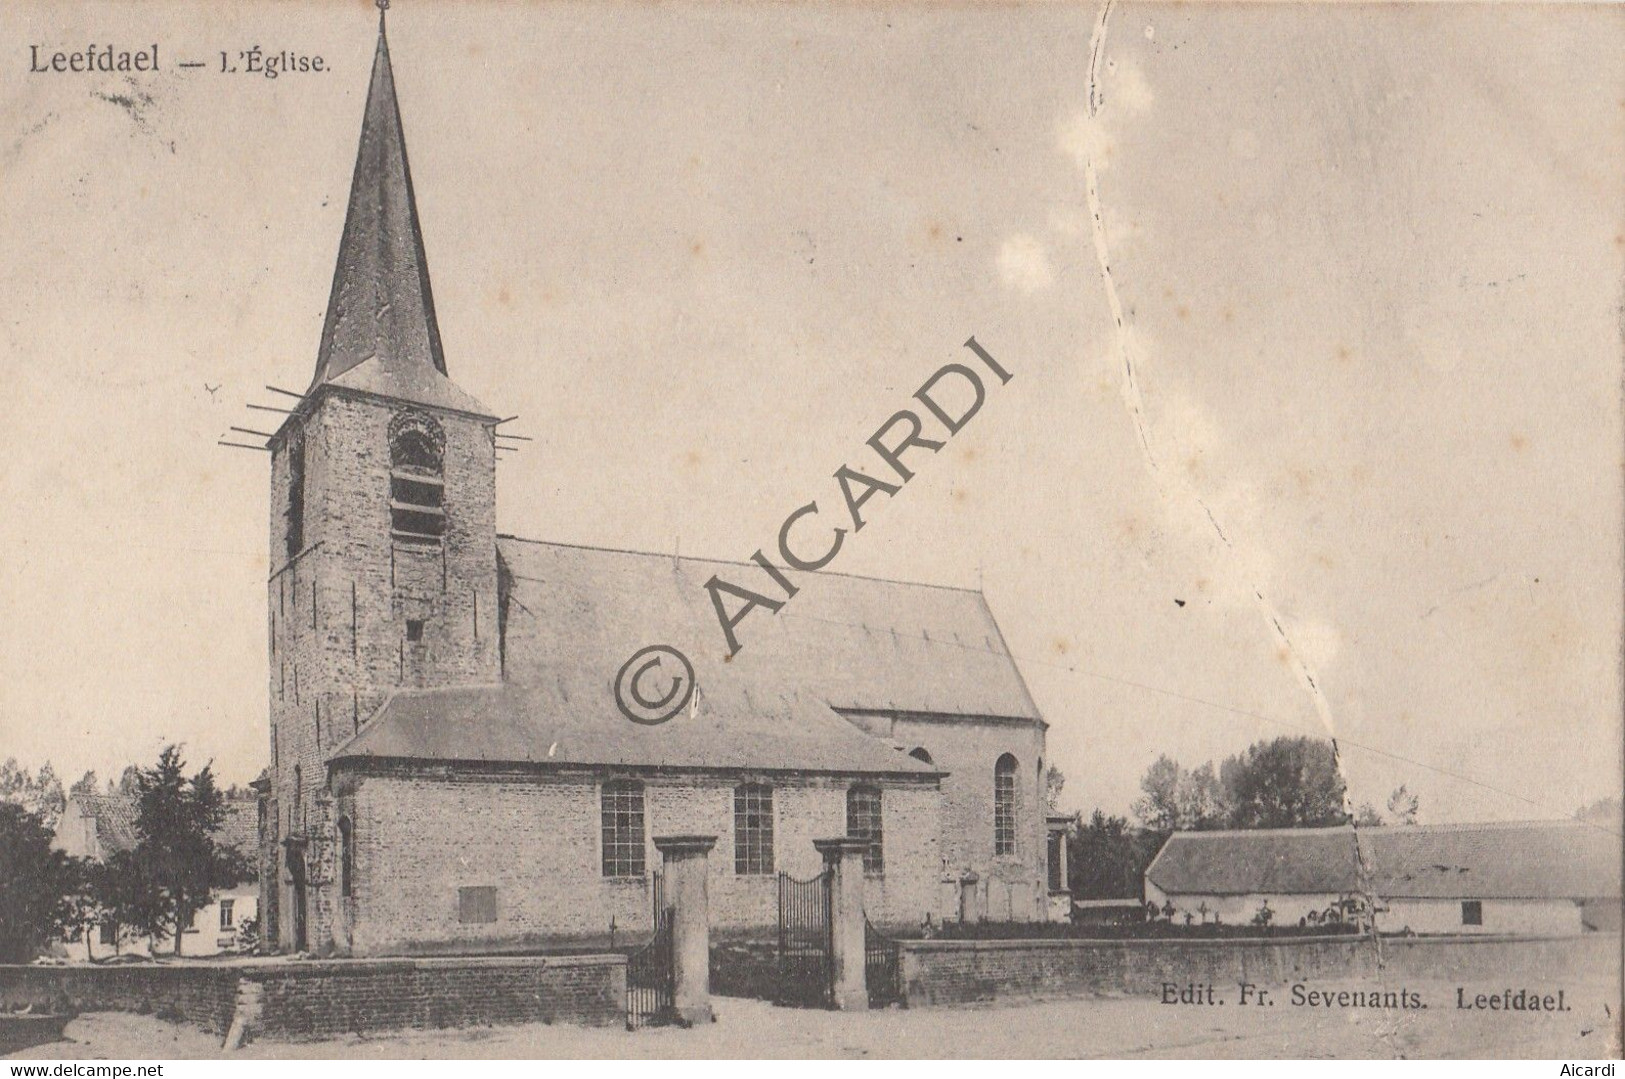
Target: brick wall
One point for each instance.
(957, 972)
(298, 999)
(203, 995)
(338, 996)
(1008, 887)
(338, 611)
(421, 837)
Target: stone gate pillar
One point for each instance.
(686, 861)
(843, 857)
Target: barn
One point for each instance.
(1551, 878)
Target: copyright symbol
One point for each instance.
(654, 684)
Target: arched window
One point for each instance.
(346, 857)
(417, 489)
(753, 828)
(919, 753)
(1004, 805)
(863, 822)
(621, 806)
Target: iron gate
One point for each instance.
(882, 967)
(651, 974)
(806, 974)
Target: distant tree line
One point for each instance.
(151, 890)
(1286, 782)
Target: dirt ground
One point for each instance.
(1096, 1027)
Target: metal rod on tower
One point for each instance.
(243, 446)
(522, 438)
(279, 389)
(250, 431)
(270, 408)
(510, 419)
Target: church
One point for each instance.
(449, 770)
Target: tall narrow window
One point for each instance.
(863, 822)
(346, 857)
(622, 813)
(753, 829)
(1004, 805)
(417, 490)
(296, 496)
(296, 812)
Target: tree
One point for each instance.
(1054, 780)
(1403, 805)
(36, 882)
(1179, 800)
(1107, 858)
(1605, 811)
(1158, 807)
(87, 784)
(1368, 816)
(129, 781)
(39, 794)
(1285, 783)
(175, 849)
(125, 893)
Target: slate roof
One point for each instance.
(574, 615)
(1520, 860)
(380, 334)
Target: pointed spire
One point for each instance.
(381, 307)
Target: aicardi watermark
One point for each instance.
(809, 542)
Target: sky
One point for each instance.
(1312, 313)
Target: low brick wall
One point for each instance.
(343, 995)
(291, 999)
(960, 971)
(200, 994)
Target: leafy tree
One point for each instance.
(175, 849)
(1605, 811)
(1054, 780)
(1369, 816)
(87, 784)
(1176, 799)
(129, 781)
(1403, 805)
(1285, 783)
(1107, 858)
(126, 893)
(39, 794)
(35, 885)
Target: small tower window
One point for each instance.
(414, 629)
(296, 497)
(417, 491)
(346, 857)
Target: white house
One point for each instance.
(95, 826)
(1551, 878)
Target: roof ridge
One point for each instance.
(1408, 829)
(745, 563)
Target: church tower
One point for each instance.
(382, 530)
